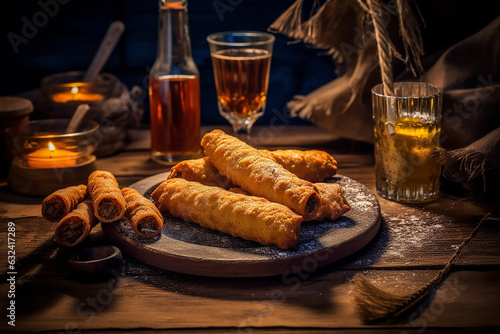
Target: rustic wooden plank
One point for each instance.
(410, 238)
(413, 236)
(267, 330)
(322, 300)
(131, 164)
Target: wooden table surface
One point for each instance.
(412, 245)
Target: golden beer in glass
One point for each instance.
(407, 130)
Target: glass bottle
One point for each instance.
(174, 89)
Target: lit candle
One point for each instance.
(50, 157)
(77, 91)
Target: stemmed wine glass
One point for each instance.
(241, 62)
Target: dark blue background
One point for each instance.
(69, 39)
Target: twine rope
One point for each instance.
(385, 48)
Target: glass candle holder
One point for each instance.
(47, 158)
(45, 143)
(407, 130)
(69, 87)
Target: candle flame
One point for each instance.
(74, 90)
(51, 147)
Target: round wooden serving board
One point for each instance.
(188, 248)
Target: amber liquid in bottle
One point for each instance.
(241, 77)
(175, 114)
(174, 89)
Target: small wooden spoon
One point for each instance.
(77, 118)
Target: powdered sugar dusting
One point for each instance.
(410, 231)
(188, 240)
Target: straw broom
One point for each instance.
(376, 305)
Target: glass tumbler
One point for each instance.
(407, 130)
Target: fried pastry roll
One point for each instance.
(76, 225)
(62, 201)
(143, 215)
(260, 175)
(107, 199)
(248, 217)
(311, 165)
(333, 203)
(199, 170)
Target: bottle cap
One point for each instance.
(173, 4)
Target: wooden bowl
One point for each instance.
(99, 260)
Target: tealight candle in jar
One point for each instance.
(51, 157)
(48, 156)
(69, 87)
(76, 91)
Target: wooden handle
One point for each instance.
(112, 36)
(77, 118)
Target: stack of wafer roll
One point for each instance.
(78, 209)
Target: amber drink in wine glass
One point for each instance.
(241, 62)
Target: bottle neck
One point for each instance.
(174, 44)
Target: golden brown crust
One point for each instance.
(76, 226)
(333, 202)
(332, 205)
(107, 199)
(62, 201)
(238, 190)
(143, 215)
(260, 175)
(248, 217)
(311, 165)
(200, 170)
